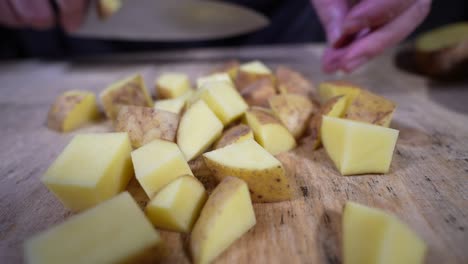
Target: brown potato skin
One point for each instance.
(259, 92)
(203, 173)
(370, 108)
(245, 79)
(444, 63)
(231, 67)
(60, 108)
(263, 115)
(144, 124)
(290, 81)
(232, 134)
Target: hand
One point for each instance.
(355, 34)
(38, 14)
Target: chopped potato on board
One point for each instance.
(114, 231)
(290, 81)
(171, 85)
(259, 92)
(226, 216)
(371, 108)
(358, 147)
(198, 129)
(92, 168)
(215, 77)
(330, 89)
(144, 124)
(71, 110)
(177, 205)
(157, 164)
(373, 236)
(294, 111)
(251, 72)
(230, 67)
(269, 131)
(107, 8)
(247, 160)
(129, 91)
(234, 134)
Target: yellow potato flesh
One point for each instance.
(371, 108)
(177, 206)
(256, 67)
(172, 85)
(372, 236)
(234, 134)
(84, 112)
(91, 169)
(129, 91)
(175, 105)
(328, 90)
(357, 147)
(272, 135)
(215, 77)
(198, 129)
(157, 164)
(247, 160)
(224, 100)
(226, 216)
(112, 232)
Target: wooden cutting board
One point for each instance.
(427, 186)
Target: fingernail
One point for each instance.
(354, 63)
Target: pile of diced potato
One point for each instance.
(203, 155)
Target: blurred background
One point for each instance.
(290, 22)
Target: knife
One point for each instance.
(172, 20)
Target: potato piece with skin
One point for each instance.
(171, 85)
(293, 111)
(330, 89)
(357, 147)
(203, 173)
(290, 81)
(115, 231)
(224, 100)
(107, 8)
(247, 160)
(129, 91)
(71, 110)
(371, 108)
(175, 105)
(251, 72)
(226, 216)
(230, 67)
(259, 92)
(234, 134)
(177, 205)
(373, 236)
(335, 107)
(92, 168)
(198, 129)
(215, 77)
(157, 164)
(268, 131)
(144, 124)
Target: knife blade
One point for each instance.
(174, 20)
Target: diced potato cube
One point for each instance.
(215, 77)
(226, 216)
(371, 108)
(107, 8)
(234, 134)
(357, 147)
(178, 205)
(259, 92)
(224, 100)
(172, 85)
(294, 111)
(230, 67)
(72, 109)
(328, 90)
(373, 236)
(198, 129)
(144, 124)
(112, 232)
(269, 131)
(292, 82)
(247, 160)
(251, 72)
(174, 105)
(157, 164)
(91, 169)
(129, 91)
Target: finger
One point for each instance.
(71, 13)
(8, 15)
(37, 14)
(331, 14)
(376, 42)
(373, 13)
(331, 59)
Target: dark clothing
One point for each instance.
(292, 21)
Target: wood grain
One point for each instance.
(427, 186)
